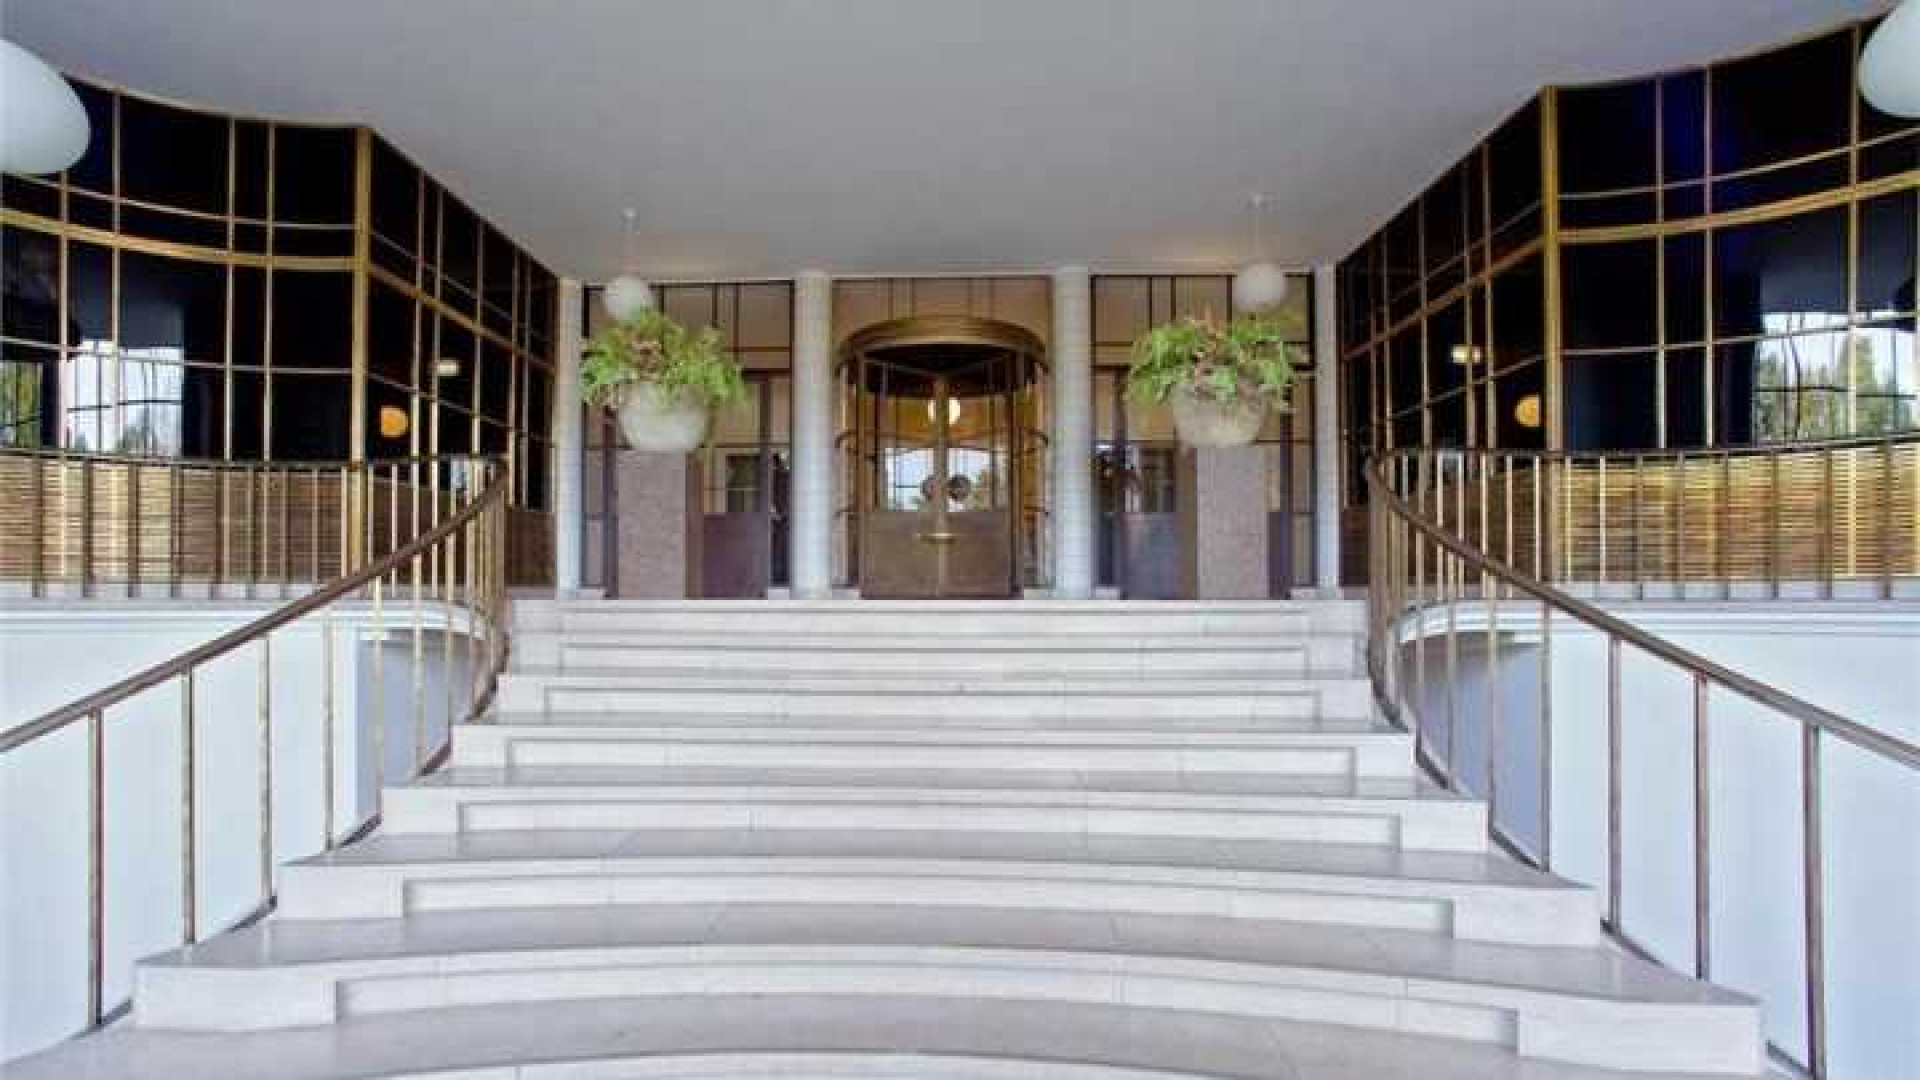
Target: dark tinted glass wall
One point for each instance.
(1441, 312)
(1735, 251)
(1739, 254)
(187, 289)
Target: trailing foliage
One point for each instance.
(652, 347)
(1250, 355)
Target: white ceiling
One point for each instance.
(759, 137)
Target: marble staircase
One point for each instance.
(1093, 841)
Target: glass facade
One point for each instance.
(192, 288)
(1732, 249)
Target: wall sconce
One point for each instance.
(1468, 355)
(394, 423)
(446, 367)
(1526, 411)
(953, 411)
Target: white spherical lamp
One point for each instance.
(626, 296)
(1260, 287)
(1890, 64)
(43, 126)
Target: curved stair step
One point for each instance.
(1570, 1004)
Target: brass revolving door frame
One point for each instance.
(939, 551)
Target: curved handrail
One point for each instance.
(1774, 698)
(175, 666)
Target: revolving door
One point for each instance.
(942, 433)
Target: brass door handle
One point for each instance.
(936, 537)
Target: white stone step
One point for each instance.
(1594, 1006)
(1147, 654)
(933, 694)
(501, 744)
(1482, 897)
(1035, 727)
(1409, 813)
(792, 1036)
(951, 617)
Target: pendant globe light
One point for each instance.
(43, 126)
(1890, 64)
(627, 295)
(1261, 285)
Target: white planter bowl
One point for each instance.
(1210, 423)
(661, 423)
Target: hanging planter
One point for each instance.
(1220, 380)
(662, 380)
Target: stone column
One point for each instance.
(1226, 518)
(810, 529)
(1072, 361)
(1326, 433)
(568, 442)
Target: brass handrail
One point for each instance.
(1427, 540)
(454, 566)
(1771, 696)
(173, 668)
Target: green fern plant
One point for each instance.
(653, 348)
(1250, 355)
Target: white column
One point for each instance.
(1326, 432)
(810, 530)
(1072, 359)
(568, 454)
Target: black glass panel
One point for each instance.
(1686, 397)
(455, 430)
(249, 316)
(323, 243)
(1683, 124)
(94, 170)
(1686, 273)
(453, 365)
(1519, 309)
(312, 319)
(537, 416)
(28, 197)
(250, 238)
(498, 266)
(1733, 387)
(311, 417)
(202, 432)
(1886, 253)
(1520, 408)
(1444, 211)
(390, 334)
(313, 174)
(536, 465)
(1685, 201)
(1609, 291)
(248, 422)
(1777, 185)
(1783, 104)
(173, 157)
(1513, 163)
(1781, 276)
(460, 239)
(496, 380)
(1593, 213)
(250, 169)
(1611, 402)
(173, 307)
(1449, 417)
(389, 421)
(1404, 374)
(1607, 136)
(30, 285)
(1409, 429)
(396, 196)
(1890, 158)
(1400, 251)
(1447, 360)
(89, 211)
(89, 292)
(173, 228)
(493, 439)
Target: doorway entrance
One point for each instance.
(945, 437)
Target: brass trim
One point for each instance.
(943, 330)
